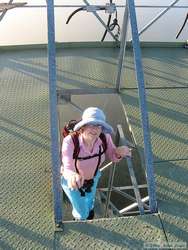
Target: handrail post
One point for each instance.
(57, 193)
(111, 179)
(110, 183)
(122, 141)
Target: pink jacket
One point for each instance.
(86, 167)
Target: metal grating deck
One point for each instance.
(26, 215)
(168, 110)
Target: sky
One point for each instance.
(29, 25)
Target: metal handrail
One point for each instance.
(130, 207)
(110, 183)
(117, 6)
(143, 108)
(120, 140)
(130, 197)
(123, 188)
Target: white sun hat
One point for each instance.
(95, 116)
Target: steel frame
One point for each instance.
(143, 107)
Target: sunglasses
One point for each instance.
(94, 126)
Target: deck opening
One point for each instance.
(123, 189)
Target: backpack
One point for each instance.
(69, 129)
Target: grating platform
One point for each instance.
(26, 209)
(168, 110)
(86, 68)
(117, 233)
(172, 191)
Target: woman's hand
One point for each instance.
(123, 151)
(75, 181)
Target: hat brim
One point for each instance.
(106, 128)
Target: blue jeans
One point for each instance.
(81, 205)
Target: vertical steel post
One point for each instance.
(143, 107)
(123, 141)
(57, 194)
(122, 47)
(111, 179)
(110, 184)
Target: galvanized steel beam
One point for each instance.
(117, 6)
(65, 92)
(143, 108)
(122, 141)
(122, 48)
(57, 193)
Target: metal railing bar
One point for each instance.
(117, 6)
(106, 166)
(159, 6)
(128, 196)
(132, 205)
(123, 188)
(110, 183)
(110, 203)
(129, 125)
(114, 208)
(131, 171)
(143, 108)
(134, 212)
(122, 48)
(63, 92)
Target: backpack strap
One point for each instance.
(99, 161)
(102, 136)
(76, 151)
(75, 140)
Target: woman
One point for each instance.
(80, 175)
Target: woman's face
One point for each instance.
(91, 131)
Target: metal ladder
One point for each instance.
(106, 193)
